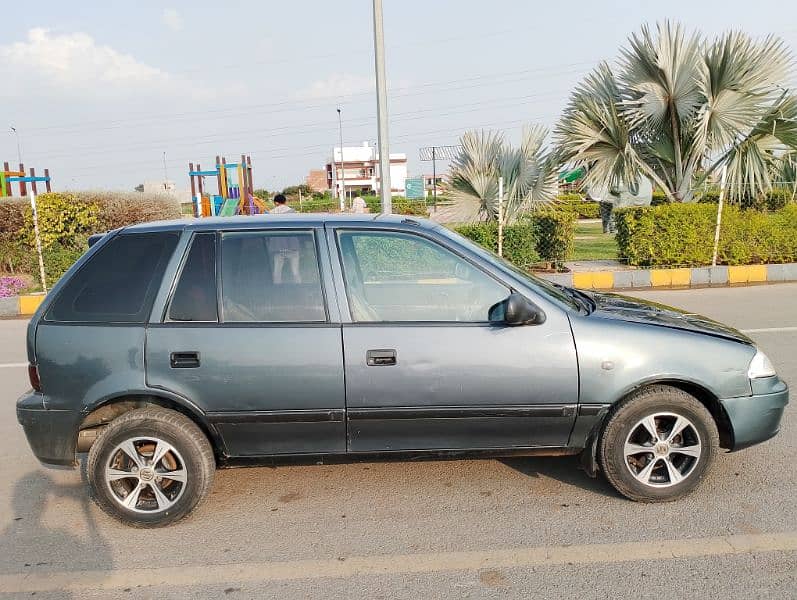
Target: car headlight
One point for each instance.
(760, 366)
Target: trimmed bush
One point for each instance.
(62, 219)
(65, 222)
(575, 203)
(683, 235)
(401, 205)
(658, 198)
(555, 233)
(519, 241)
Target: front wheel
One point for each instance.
(150, 467)
(658, 444)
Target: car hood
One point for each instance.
(636, 310)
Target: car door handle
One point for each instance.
(184, 360)
(380, 358)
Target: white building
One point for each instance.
(357, 168)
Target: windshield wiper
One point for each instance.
(580, 298)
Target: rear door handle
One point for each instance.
(380, 358)
(184, 360)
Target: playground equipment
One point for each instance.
(7, 177)
(235, 190)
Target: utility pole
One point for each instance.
(19, 147)
(342, 172)
(381, 110)
(165, 173)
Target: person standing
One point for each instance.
(281, 205)
(284, 248)
(358, 205)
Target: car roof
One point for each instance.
(279, 220)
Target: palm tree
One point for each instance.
(529, 172)
(679, 108)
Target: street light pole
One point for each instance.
(342, 171)
(381, 110)
(165, 173)
(19, 151)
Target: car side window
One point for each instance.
(118, 284)
(195, 295)
(393, 276)
(271, 277)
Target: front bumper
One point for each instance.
(756, 418)
(51, 433)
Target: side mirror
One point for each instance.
(519, 310)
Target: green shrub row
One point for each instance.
(519, 241)
(545, 236)
(401, 205)
(65, 222)
(683, 235)
(774, 199)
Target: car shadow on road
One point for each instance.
(566, 469)
(32, 546)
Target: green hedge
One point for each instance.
(575, 203)
(555, 233)
(774, 199)
(65, 222)
(519, 241)
(401, 205)
(683, 235)
(546, 236)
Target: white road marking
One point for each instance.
(355, 566)
(768, 329)
(12, 365)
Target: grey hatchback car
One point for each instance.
(172, 348)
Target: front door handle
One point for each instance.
(380, 358)
(184, 360)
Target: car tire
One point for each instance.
(668, 465)
(150, 467)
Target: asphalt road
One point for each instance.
(531, 528)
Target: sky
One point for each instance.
(98, 92)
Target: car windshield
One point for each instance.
(563, 295)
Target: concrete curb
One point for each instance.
(20, 306)
(26, 304)
(676, 278)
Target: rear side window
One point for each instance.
(118, 284)
(195, 295)
(270, 277)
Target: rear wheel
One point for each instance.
(150, 467)
(658, 444)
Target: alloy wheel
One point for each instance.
(146, 474)
(662, 449)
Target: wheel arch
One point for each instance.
(589, 457)
(102, 412)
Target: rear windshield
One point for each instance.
(118, 284)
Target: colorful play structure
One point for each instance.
(7, 177)
(235, 191)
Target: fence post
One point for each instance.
(719, 215)
(500, 216)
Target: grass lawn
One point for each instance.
(592, 243)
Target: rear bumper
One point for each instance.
(50, 433)
(756, 418)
